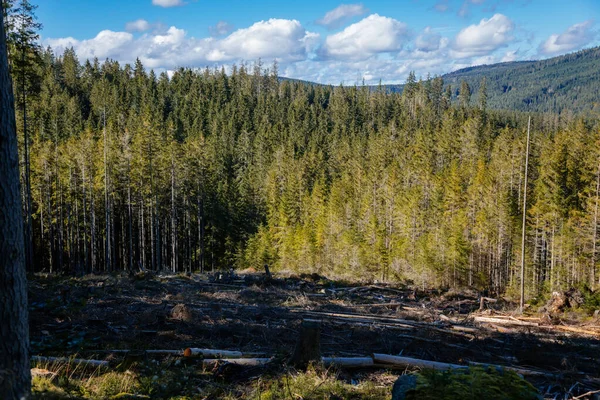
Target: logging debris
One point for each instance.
(260, 317)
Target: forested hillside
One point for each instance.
(568, 82)
(205, 169)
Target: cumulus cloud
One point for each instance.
(483, 38)
(374, 48)
(283, 39)
(222, 28)
(167, 3)
(428, 41)
(139, 25)
(509, 56)
(275, 38)
(575, 37)
(336, 17)
(106, 44)
(374, 34)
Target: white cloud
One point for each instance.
(275, 38)
(484, 38)
(340, 14)
(220, 29)
(372, 49)
(285, 40)
(167, 3)
(575, 37)
(509, 56)
(106, 44)
(428, 41)
(374, 34)
(139, 25)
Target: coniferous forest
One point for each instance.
(291, 236)
(205, 170)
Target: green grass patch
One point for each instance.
(475, 383)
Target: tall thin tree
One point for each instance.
(522, 302)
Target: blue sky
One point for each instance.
(324, 41)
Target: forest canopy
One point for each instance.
(207, 169)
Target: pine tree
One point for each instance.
(24, 51)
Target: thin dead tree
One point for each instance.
(522, 302)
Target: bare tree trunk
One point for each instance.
(522, 302)
(595, 230)
(173, 227)
(107, 249)
(15, 376)
(129, 218)
(85, 224)
(93, 229)
(201, 229)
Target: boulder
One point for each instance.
(402, 385)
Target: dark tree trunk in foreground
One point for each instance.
(15, 377)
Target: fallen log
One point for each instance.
(247, 362)
(414, 362)
(501, 321)
(66, 360)
(380, 320)
(573, 329)
(191, 352)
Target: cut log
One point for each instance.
(500, 321)
(210, 353)
(65, 360)
(414, 362)
(308, 346)
(248, 362)
(573, 329)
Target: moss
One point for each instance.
(45, 388)
(475, 383)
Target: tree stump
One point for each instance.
(308, 346)
(268, 273)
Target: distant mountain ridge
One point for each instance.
(571, 81)
(567, 82)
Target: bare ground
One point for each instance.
(91, 315)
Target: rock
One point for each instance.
(402, 385)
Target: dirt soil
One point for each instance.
(91, 315)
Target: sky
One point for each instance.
(322, 41)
